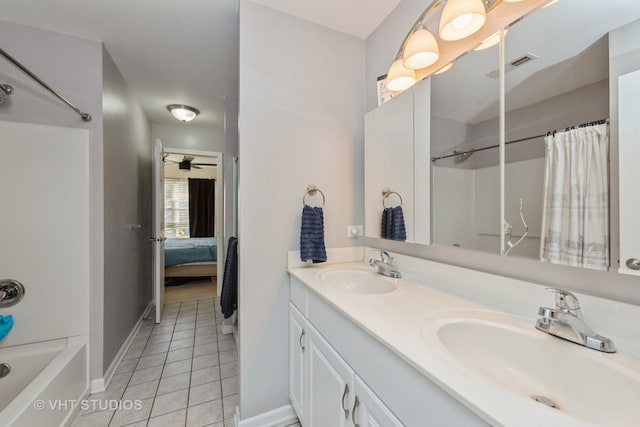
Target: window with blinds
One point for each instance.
(176, 207)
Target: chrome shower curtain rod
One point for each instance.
(462, 153)
(85, 116)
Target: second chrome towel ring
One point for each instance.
(312, 190)
(385, 195)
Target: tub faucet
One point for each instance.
(565, 321)
(385, 265)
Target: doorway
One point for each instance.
(192, 211)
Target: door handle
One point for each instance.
(300, 340)
(353, 412)
(344, 395)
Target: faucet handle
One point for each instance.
(565, 300)
(385, 257)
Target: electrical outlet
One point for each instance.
(354, 231)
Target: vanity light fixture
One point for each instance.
(490, 41)
(444, 69)
(184, 113)
(461, 18)
(399, 77)
(421, 50)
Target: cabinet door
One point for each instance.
(330, 385)
(369, 411)
(297, 366)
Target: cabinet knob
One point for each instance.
(633, 263)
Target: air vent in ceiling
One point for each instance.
(516, 63)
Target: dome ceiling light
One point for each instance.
(184, 113)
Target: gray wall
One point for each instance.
(625, 56)
(127, 201)
(586, 104)
(301, 122)
(72, 66)
(188, 136)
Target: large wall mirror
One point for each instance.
(464, 116)
(563, 181)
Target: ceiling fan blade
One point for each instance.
(193, 165)
(204, 164)
(188, 159)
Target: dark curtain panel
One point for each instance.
(201, 207)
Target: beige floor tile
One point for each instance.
(205, 393)
(170, 402)
(204, 414)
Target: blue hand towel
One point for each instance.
(399, 231)
(393, 224)
(6, 323)
(312, 235)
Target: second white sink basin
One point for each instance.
(359, 280)
(531, 364)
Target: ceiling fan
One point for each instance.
(187, 163)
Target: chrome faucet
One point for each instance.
(566, 322)
(385, 265)
(11, 292)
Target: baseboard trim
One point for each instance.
(282, 416)
(99, 385)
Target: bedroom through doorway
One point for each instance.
(192, 218)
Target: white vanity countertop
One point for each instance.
(403, 318)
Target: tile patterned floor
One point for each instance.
(183, 370)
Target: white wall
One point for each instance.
(45, 236)
(127, 201)
(301, 122)
(452, 202)
(188, 136)
(72, 66)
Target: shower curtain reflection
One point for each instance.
(575, 223)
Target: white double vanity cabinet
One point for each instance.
(339, 375)
(449, 346)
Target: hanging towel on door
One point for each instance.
(229, 293)
(312, 235)
(6, 323)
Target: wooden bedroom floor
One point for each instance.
(191, 290)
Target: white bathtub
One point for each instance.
(53, 372)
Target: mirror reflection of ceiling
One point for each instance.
(564, 37)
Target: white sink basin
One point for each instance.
(602, 389)
(359, 280)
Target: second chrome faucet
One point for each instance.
(385, 265)
(565, 321)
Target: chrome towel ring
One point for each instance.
(312, 190)
(386, 193)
